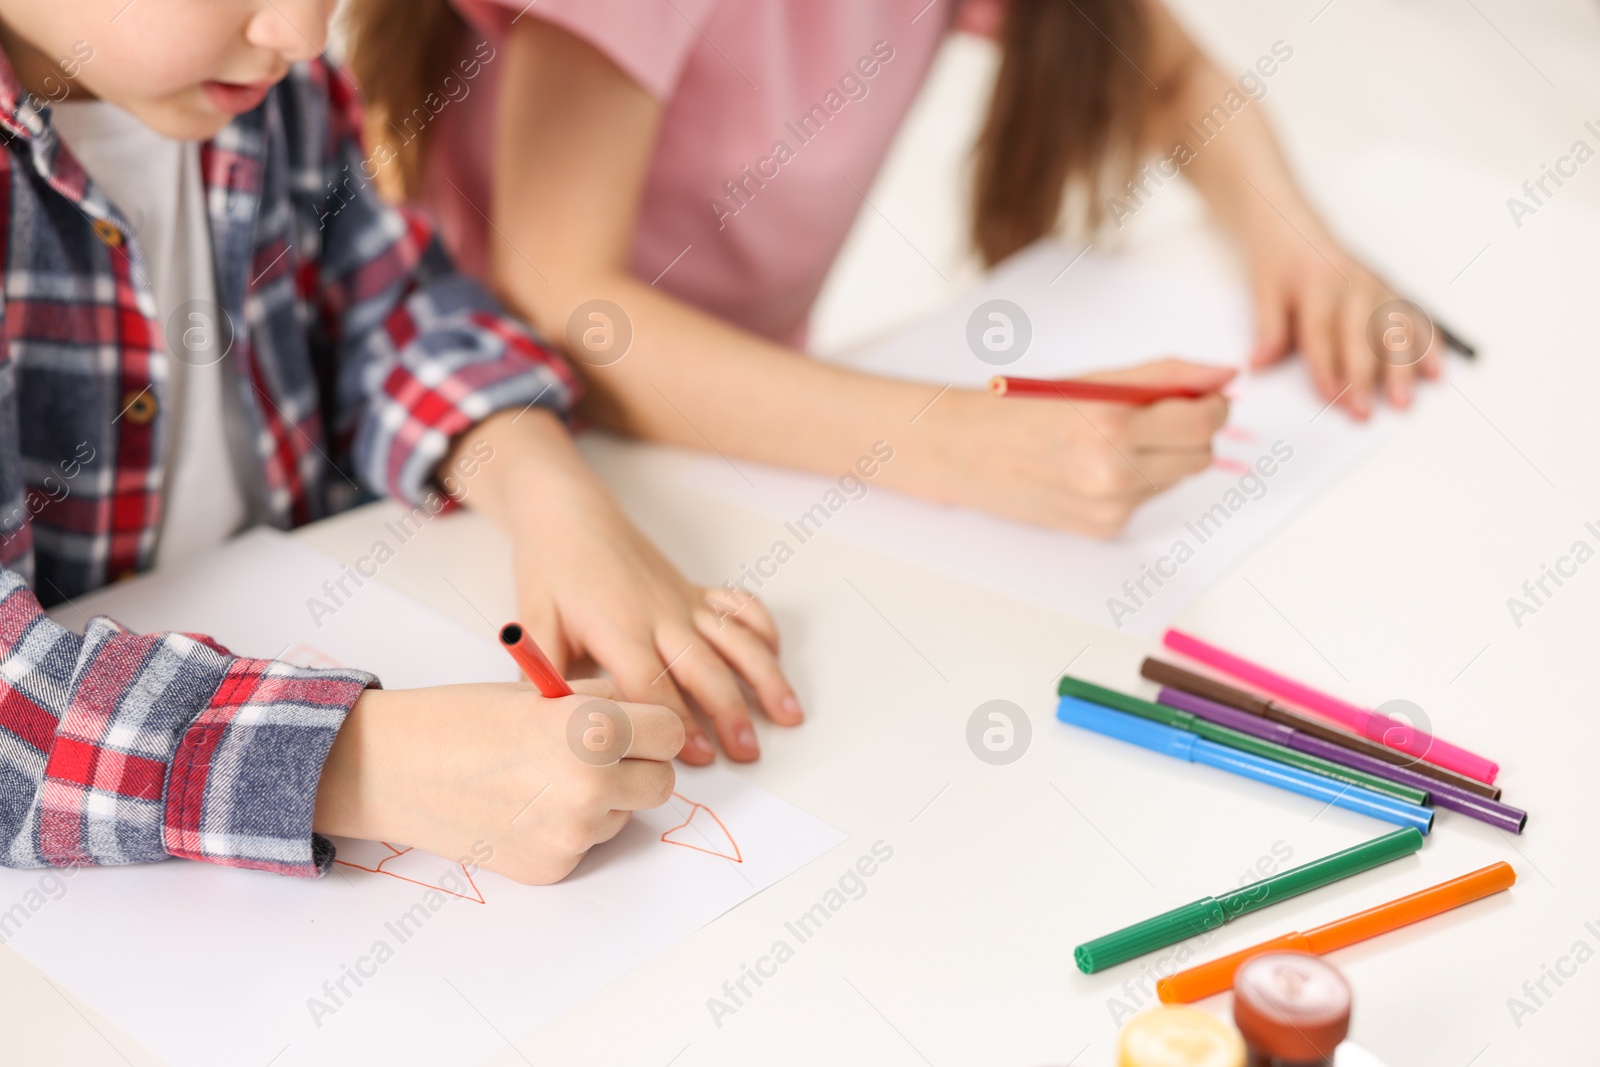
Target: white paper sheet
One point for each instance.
(1090, 314)
(207, 965)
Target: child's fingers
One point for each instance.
(658, 732)
(1178, 424)
(1433, 360)
(1397, 383)
(1433, 363)
(1172, 371)
(1272, 325)
(611, 823)
(1399, 379)
(597, 687)
(644, 677)
(639, 785)
(1167, 468)
(1356, 358)
(543, 624)
(705, 676)
(1315, 322)
(756, 663)
(544, 870)
(754, 615)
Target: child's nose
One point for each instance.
(295, 29)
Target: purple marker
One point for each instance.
(1443, 794)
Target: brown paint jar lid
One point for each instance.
(1291, 1006)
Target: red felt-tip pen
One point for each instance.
(517, 641)
(1077, 389)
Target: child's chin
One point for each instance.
(183, 122)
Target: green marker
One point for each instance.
(1209, 913)
(1237, 739)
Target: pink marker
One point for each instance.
(1392, 732)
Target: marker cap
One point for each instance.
(1235, 730)
(1152, 735)
(1291, 1007)
(1069, 686)
(1165, 929)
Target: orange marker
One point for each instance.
(531, 659)
(1196, 983)
(1075, 389)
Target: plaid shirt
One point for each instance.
(359, 356)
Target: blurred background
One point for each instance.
(1403, 119)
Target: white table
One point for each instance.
(1412, 123)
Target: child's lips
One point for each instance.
(233, 98)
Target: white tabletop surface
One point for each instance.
(1411, 123)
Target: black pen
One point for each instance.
(1455, 342)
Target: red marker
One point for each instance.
(1076, 389)
(531, 659)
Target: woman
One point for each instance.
(697, 164)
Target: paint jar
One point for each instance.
(1292, 1009)
(1179, 1036)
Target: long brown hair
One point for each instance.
(398, 50)
(1067, 107)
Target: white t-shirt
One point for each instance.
(212, 476)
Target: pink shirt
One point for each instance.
(777, 115)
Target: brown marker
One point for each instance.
(1292, 1010)
(1167, 674)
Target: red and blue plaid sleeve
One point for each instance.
(424, 352)
(118, 747)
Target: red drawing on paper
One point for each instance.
(396, 865)
(1231, 466)
(1238, 433)
(702, 831)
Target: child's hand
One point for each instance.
(497, 771)
(1317, 300)
(590, 584)
(1075, 465)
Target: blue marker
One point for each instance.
(1187, 746)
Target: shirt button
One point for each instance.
(108, 233)
(139, 408)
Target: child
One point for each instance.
(700, 162)
(206, 325)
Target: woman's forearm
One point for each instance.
(576, 138)
(691, 379)
(1241, 171)
(1310, 295)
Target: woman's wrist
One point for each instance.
(1284, 220)
(933, 456)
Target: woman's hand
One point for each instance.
(1313, 298)
(590, 584)
(1075, 465)
(495, 771)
